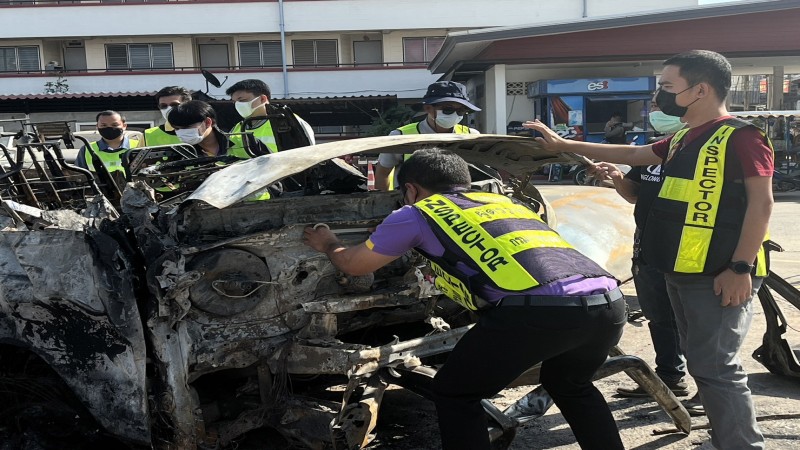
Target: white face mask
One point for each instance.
(447, 120)
(245, 109)
(165, 112)
(664, 123)
(191, 136)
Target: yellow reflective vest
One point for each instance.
(157, 136)
(112, 159)
(264, 134)
(505, 243)
(694, 224)
(413, 128)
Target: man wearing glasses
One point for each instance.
(445, 104)
(166, 99)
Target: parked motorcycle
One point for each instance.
(782, 182)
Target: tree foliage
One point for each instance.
(389, 120)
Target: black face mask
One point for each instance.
(666, 102)
(109, 133)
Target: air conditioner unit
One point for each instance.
(74, 44)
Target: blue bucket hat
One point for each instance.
(448, 91)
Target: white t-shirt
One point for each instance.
(392, 160)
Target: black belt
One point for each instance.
(566, 300)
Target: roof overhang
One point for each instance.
(750, 27)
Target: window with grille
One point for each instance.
(260, 54)
(20, 59)
(317, 53)
(139, 56)
(421, 50)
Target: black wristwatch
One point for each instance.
(740, 267)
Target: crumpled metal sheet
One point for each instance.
(67, 295)
(514, 154)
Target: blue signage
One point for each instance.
(592, 86)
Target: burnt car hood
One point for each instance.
(513, 154)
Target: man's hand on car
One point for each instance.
(550, 140)
(320, 238)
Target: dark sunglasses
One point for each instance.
(451, 110)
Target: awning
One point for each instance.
(76, 95)
(77, 102)
(766, 114)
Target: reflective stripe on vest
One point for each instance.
(705, 202)
(111, 159)
(156, 136)
(413, 128)
(263, 134)
(508, 244)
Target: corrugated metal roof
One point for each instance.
(333, 99)
(768, 114)
(76, 95)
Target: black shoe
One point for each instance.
(694, 406)
(679, 388)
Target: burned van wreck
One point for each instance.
(186, 321)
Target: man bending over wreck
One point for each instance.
(537, 298)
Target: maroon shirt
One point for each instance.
(754, 154)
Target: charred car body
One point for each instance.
(185, 324)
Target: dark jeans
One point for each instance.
(570, 342)
(651, 289)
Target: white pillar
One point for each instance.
(496, 99)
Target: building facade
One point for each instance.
(591, 65)
(339, 63)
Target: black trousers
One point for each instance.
(570, 342)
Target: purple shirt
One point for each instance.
(405, 229)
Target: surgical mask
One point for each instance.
(447, 120)
(664, 123)
(245, 109)
(165, 112)
(666, 103)
(110, 133)
(191, 136)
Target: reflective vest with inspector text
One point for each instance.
(505, 243)
(694, 224)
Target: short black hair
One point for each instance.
(190, 113)
(169, 91)
(435, 169)
(253, 86)
(616, 114)
(107, 113)
(704, 66)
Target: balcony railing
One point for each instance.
(299, 67)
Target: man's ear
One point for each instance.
(703, 89)
(265, 99)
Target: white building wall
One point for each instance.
(304, 16)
